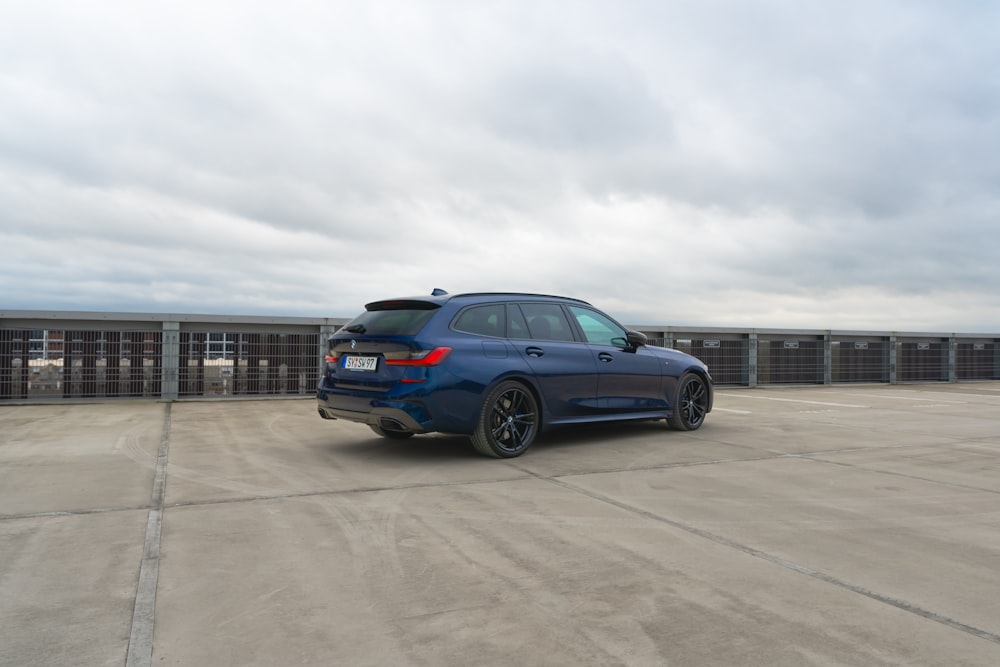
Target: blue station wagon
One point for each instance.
(502, 367)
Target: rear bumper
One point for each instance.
(394, 415)
(389, 418)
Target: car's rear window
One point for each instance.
(392, 318)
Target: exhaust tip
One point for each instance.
(392, 425)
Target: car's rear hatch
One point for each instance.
(378, 350)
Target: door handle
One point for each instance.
(605, 357)
(534, 351)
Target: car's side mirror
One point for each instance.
(636, 338)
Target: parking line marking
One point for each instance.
(798, 400)
(913, 398)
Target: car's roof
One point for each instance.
(518, 295)
(441, 297)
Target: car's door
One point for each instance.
(630, 378)
(565, 368)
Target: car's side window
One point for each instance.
(599, 329)
(485, 320)
(547, 321)
(517, 327)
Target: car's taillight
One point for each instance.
(330, 358)
(423, 358)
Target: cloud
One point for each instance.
(716, 163)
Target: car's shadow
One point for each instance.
(594, 433)
(440, 447)
(432, 447)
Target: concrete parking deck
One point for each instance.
(855, 525)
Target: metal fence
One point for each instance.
(98, 355)
(67, 355)
(727, 356)
(859, 359)
(72, 363)
(751, 357)
(235, 363)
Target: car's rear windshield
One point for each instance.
(392, 318)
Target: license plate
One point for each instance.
(355, 363)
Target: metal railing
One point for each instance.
(74, 355)
(68, 355)
(751, 357)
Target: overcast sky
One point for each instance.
(747, 164)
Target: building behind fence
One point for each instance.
(70, 355)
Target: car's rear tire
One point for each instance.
(691, 404)
(392, 435)
(508, 421)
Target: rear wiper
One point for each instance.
(356, 328)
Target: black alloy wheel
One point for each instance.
(691, 405)
(508, 422)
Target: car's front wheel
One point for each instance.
(508, 421)
(691, 404)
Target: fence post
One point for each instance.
(952, 356)
(171, 351)
(892, 359)
(752, 359)
(828, 357)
